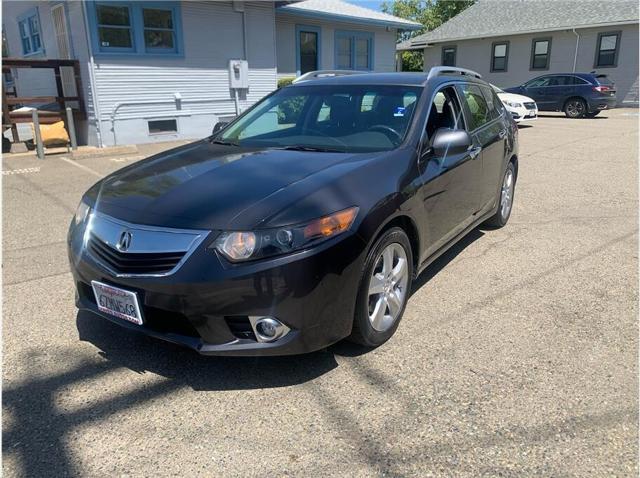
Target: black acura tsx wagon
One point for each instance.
(303, 221)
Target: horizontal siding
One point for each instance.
(384, 43)
(201, 77)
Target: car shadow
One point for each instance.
(562, 116)
(141, 354)
(442, 261)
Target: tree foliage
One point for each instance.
(430, 13)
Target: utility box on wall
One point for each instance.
(238, 74)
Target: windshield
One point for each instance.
(343, 118)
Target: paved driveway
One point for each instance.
(517, 355)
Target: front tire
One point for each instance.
(384, 289)
(575, 108)
(507, 191)
(593, 114)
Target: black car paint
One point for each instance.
(554, 98)
(220, 187)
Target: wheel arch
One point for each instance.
(408, 225)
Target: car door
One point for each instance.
(537, 89)
(492, 137)
(559, 88)
(451, 184)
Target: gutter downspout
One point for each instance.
(92, 80)
(575, 56)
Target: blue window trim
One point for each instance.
(308, 28)
(138, 47)
(24, 18)
(352, 35)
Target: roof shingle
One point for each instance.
(491, 18)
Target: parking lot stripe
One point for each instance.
(83, 167)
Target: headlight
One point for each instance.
(247, 245)
(513, 104)
(81, 213)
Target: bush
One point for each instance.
(286, 81)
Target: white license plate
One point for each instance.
(532, 114)
(118, 302)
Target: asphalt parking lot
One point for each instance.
(517, 354)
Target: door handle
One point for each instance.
(502, 133)
(474, 152)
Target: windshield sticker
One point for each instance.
(399, 111)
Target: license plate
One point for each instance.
(532, 114)
(117, 302)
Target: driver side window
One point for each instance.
(445, 112)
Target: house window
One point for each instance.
(608, 47)
(163, 126)
(29, 28)
(135, 27)
(308, 49)
(449, 56)
(540, 53)
(159, 30)
(114, 27)
(499, 56)
(353, 50)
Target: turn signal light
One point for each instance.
(332, 224)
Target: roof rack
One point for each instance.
(447, 70)
(318, 74)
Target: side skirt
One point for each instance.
(453, 241)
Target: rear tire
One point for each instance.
(385, 285)
(505, 202)
(575, 108)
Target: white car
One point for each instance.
(522, 108)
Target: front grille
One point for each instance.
(530, 106)
(133, 262)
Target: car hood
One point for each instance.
(209, 186)
(515, 98)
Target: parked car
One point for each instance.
(577, 94)
(522, 108)
(302, 222)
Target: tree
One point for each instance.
(430, 13)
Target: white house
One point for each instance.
(160, 70)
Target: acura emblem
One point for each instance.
(125, 241)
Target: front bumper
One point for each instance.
(523, 114)
(205, 304)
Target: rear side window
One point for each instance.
(477, 105)
(489, 96)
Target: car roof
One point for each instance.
(395, 78)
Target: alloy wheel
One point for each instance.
(388, 287)
(575, 108)
(506, 196)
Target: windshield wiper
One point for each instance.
(318, 149)
(226, 143)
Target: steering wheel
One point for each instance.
(388, 130)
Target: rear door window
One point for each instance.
(477, 106)
(537, 82)
(489, 96)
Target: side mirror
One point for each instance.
(219, 125)
(450, 141)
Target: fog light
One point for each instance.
(268, 329)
